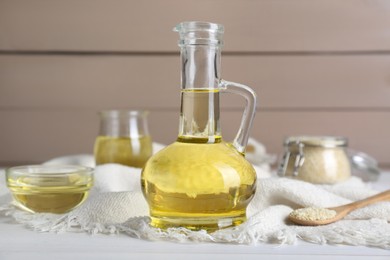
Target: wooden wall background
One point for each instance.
(318, 67)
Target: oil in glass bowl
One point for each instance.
(52, 189)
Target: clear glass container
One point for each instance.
(316, 159)
(201, 181)
(49, 188)
(364, 166)
(123, 138)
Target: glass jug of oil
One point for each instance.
(200, 181)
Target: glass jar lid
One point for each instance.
(316, 141)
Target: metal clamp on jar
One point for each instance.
(316, 159)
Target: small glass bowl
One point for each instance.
(49, 188)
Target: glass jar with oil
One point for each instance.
(49, 188)
(201, 181)
(123, 138)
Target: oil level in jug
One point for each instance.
(315, 159)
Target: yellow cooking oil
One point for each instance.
(196, 184)
(130, 151)
(50, 193)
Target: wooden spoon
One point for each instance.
(341, 211)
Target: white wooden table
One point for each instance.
(17, 242)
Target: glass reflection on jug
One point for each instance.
(123, 138)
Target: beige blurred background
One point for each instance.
(319, 67)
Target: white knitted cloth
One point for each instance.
(116, 205)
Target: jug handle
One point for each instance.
(241, 139)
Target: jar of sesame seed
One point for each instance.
(315, 159)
